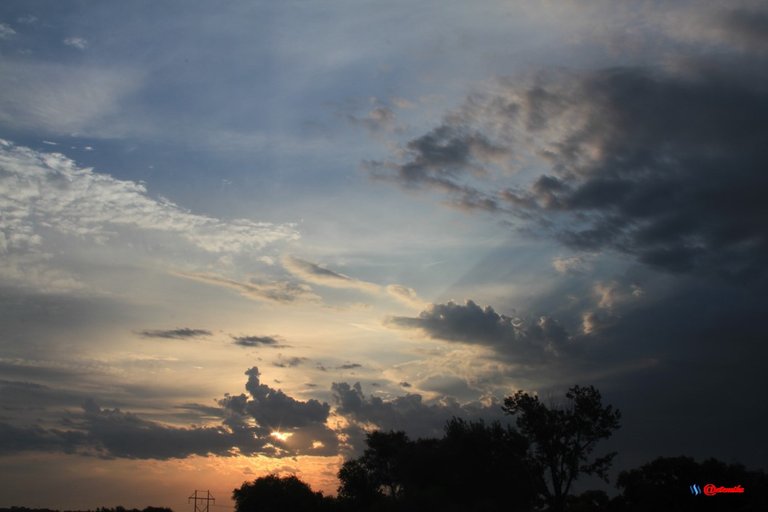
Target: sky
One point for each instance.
(236, 236)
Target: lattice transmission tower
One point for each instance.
(202, 503)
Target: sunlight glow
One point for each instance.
(281, 436)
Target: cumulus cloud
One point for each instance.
(316, 274)
(177, 334)
(274, 411)
(527, 340)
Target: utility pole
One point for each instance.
(202, 502)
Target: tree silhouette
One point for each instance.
(562, 439)
(474, 467)
(664, 484)
(379, 472)
(272, 493)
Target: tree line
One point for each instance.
(486, 467)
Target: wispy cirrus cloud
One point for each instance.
(275, 291)
(406, 295)
(314, 273)
(6, 32)
(76, 42)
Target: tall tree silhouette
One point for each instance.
(562, 439)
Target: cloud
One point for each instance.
(65, 99)
(76, 42)
(349, 366)
(6, 32)
(257, 341)
(114, 433)
(316, 274)
(409, 413)
(176, 334)
(289, 362)
(15, 439)
(247, 428)
(571, 264)
(377, 120)
(406, 295)
(275, 291)
(662, 164)
(273, 410)
(46, 196)
(526, 340)
(445, 159)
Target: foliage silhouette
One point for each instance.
(664, 484)
(563, 438)
(272, 493)
(474, 467)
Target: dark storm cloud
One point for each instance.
(444, 159)
(114, 433)
(14, 439)
(176, 334)
(257, 341)
(666, 165)
(707, 344)
(529, 340)
(746, 26)
(666, 168)
(29, 398)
